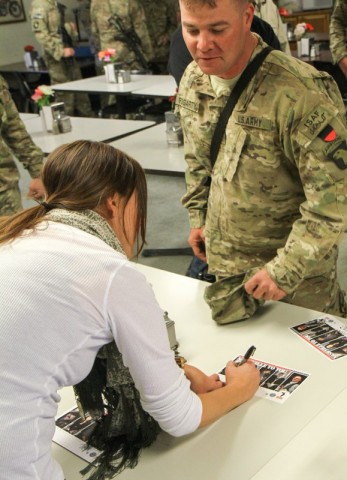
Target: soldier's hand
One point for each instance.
(262, 287)
(36, 189)
(196, 240)
(68, 52)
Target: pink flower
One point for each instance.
(37, 95)
(42, 95)
(107, 56)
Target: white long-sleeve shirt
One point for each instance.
(65, 293)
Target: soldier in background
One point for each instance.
(337, 31)
(161, 23)
(268, 11)
(57, 37)
(15, 140)
(108, 35)
(275, 203)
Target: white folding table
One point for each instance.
(150, 148)
(95, 129)
(146, 85)
(251, 441)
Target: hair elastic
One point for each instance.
(47, 206)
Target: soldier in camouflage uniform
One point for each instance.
(133, 17)
(337, 31)
(46, 21)
(276, 198)
(161, 22)
(15, 140)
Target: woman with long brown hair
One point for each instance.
(75, 311)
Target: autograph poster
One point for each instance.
(72, 432)
(277, 383)
(327, 334)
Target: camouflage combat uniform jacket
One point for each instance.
(337, 31)
(133, 17)
(14, 140)
(46, 25)
(277, 193)
(45, 21)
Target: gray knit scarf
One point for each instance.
(108, 393)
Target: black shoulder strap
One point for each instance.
(241, 84)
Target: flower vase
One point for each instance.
(174, 134)
(43, 120)
(115, 74)
(110, 73)
(303, 47)
(46, 118)
(28, 59)
(298, 48)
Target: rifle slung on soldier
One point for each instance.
(66, 38)
(130, 38)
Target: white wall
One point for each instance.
(14, 36)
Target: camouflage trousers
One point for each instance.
(67, 70)
(10, 199)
